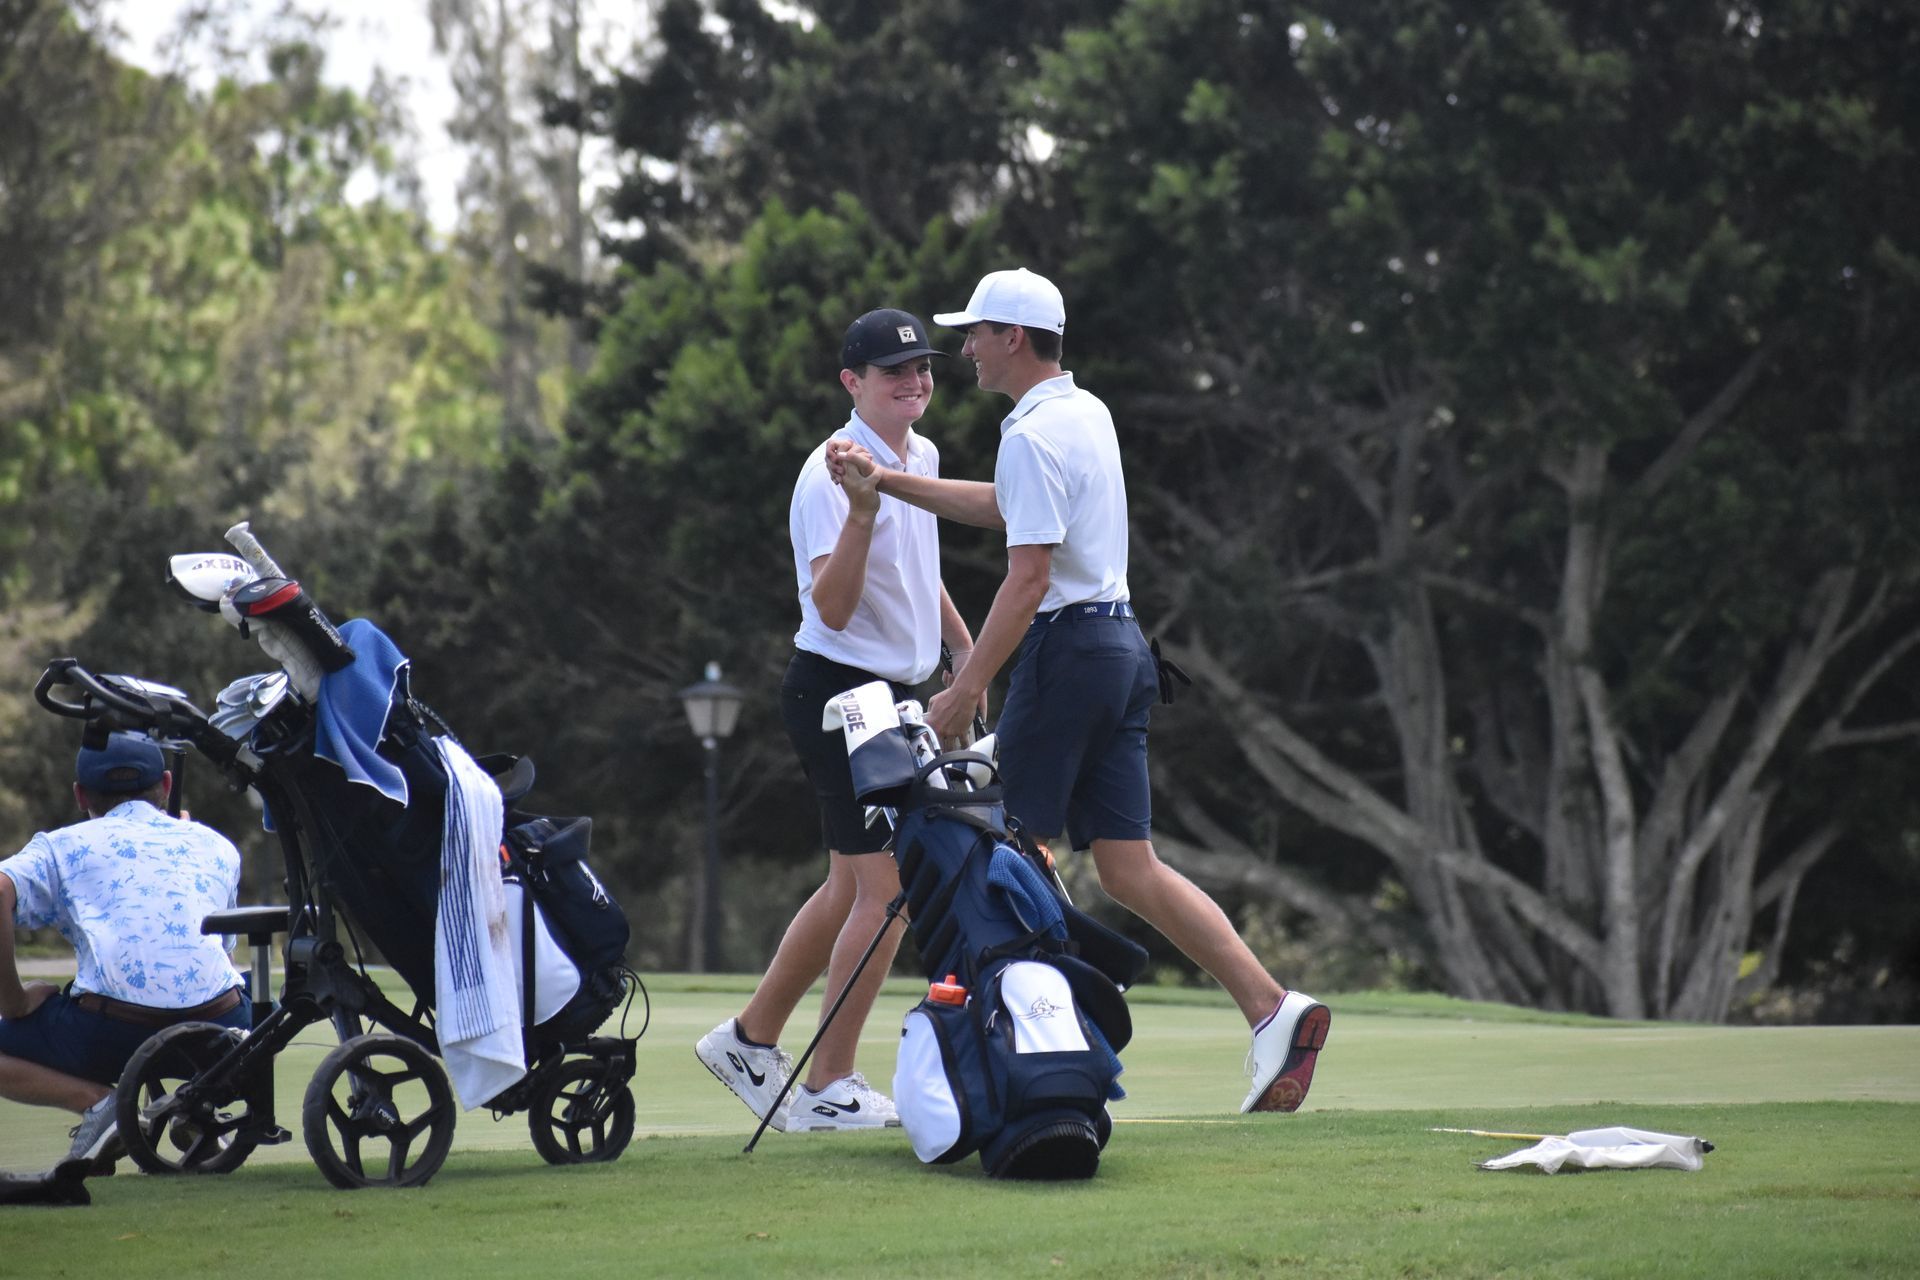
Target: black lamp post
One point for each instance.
(713, 708)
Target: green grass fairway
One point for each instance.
(1815, 1171)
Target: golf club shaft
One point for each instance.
(1492, 1133)
(799, 1068)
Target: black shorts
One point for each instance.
(810, 683)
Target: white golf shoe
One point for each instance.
(755, 1073)
(848, 1103)
(1285, 1048)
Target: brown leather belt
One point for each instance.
(141, 1015)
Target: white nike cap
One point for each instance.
(1011, 297)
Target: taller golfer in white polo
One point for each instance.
(1073, 733)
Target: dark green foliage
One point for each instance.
(1508, 390)
(1407, 305)
(914, 110)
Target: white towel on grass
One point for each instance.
(477, 1010)
(1616, 1147)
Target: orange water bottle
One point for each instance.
(948, 992)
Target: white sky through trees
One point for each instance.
(393, 35)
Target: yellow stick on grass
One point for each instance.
(1490, 1133)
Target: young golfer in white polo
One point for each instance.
(872, 607)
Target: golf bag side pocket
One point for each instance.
(943, 1082)
(1054, 1071)
(1017, 1073)
(549, 855)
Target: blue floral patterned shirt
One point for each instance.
(128, 890)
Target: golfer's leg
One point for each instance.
(804, 951)
(40, 1086)
(877, 882)
(1133, 875)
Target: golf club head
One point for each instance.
(283, 601)
(205, 577)
(979, 774)
(247, 701)
(878, 754)
(152, 688)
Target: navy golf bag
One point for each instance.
(1014, 1052)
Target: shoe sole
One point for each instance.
(776, 1124)
(806, 1120)
(842, 1128)
(1289, 1087)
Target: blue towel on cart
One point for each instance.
(352, 710)
(353, 707)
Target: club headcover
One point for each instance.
(206, 578)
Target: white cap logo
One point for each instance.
(907, 334)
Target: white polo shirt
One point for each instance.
(1058, 482)
(895, 629)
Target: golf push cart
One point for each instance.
(364, 787)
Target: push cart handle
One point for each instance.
(96, 695)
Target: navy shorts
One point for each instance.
(810, 684)
(78, 1042)
(1073, 731)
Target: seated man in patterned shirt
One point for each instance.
(127, 888)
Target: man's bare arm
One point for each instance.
(953, 630)
(961, 501)
(1029, 568)
(840, 577)
(13, 997)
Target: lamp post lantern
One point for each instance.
(713, 708)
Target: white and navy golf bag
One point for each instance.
(1014, 1052)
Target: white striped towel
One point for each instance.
(477, 1013)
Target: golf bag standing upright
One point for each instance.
(1014, 1052)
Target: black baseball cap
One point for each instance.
(885, 337)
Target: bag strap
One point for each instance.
(526, 959)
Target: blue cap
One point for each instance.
(129, 763)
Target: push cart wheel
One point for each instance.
(581, 1113)
(378, 1113)
(168, 1128)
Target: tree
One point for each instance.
(910, 108)
(1572, 337)
(224, 335)
(564, 96)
